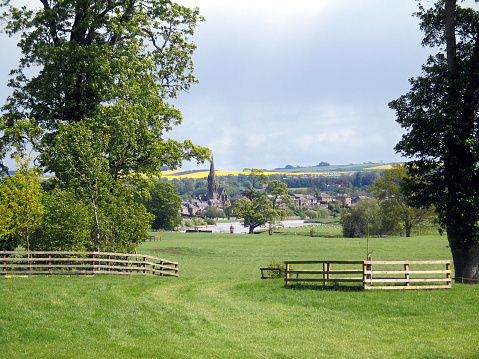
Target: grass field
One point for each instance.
(220, 308)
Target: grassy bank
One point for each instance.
(220, 308)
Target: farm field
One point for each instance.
(220, 308)
(333, 170)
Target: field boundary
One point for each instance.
(374, 274)
(89, 263)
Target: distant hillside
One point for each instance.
(337, 168)
(331, 170)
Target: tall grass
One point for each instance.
(220, 308)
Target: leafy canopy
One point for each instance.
(111, 66)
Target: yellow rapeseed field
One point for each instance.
(204, 174)
(382, 167)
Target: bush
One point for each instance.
(210, 221)
(281, 266)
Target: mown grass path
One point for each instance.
(220, 308)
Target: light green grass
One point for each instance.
(220, 308)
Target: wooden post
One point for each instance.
(367, 267)
(406, 275)
(93, 263)
(364, 275)
(328, 270)
(325, 276)
(448, 274)
(287, 273)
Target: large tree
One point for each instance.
(110, 66)
(440, 116)
(90, 95)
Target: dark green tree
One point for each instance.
(165, 205)
(440, 114)
(368, 218)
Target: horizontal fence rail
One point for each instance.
(373, 274)
(66, 263)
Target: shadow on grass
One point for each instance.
(342, 288)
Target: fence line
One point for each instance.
(374, 274)
(63, 262)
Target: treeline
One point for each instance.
(352, 184)
(389, 212)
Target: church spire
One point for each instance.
(212, 182)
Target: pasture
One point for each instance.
(220, 308)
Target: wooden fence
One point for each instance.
(66, 263)
(374, 274)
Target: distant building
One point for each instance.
(216, 196)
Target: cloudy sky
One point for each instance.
(294, 83)
(300, 82)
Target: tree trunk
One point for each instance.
(251, 229)
(466, 263)
(408, 228)
(450, 32)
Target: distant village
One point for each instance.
(218, 198)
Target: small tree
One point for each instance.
(20, 197)
(261, 206)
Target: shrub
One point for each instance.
(210, 221)
(280, 265)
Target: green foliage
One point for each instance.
(277, 274)
(395, 204)
(90, 95)
(213, 212)
(113, 72)
(261, 206)
(439, 114)
(366, 219)
(22, 209)
(69, 224)
(311, 213)
(210, 221)
(164, 204)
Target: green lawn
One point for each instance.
(220, 308)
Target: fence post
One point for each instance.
(448, 274)
(367, 267)
(326, 269)
(287, 273)
(406, 276)
(4, 267)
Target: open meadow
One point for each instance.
(220, 308)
